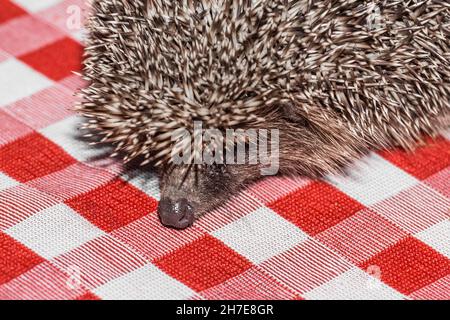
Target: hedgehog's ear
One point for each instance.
(308, 130)
(292, 114)
(314, 117)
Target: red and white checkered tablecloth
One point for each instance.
(75, 226)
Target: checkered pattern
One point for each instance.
(74, 226)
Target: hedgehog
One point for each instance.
(336, 79)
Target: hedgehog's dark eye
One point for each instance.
(304, 122)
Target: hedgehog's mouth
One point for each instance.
(178, 214)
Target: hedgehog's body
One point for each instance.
(336, 77)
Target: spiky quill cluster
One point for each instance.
(154, 66)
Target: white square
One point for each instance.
(145, 283)
(261, 235)
(54, 231)
(18, 81)
(437, 237)
(372, 179)
(79, 35)
(36, 5)
(146, 181)
(66, 134)
(354, 284)
(7, 182)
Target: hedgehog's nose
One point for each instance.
(177, 214)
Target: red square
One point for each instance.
(9, 10)
(113, 205)
(56, 60)
(410, 265)
(424, 161)
(203, 263)
(316, 207)
(15, 258)
(32, 156)
(87, 296)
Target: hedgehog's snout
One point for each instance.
(178, 214)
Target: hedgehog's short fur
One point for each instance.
(336, 77)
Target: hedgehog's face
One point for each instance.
(300, 149)
(188, 193)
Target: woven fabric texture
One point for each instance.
(76, 226)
